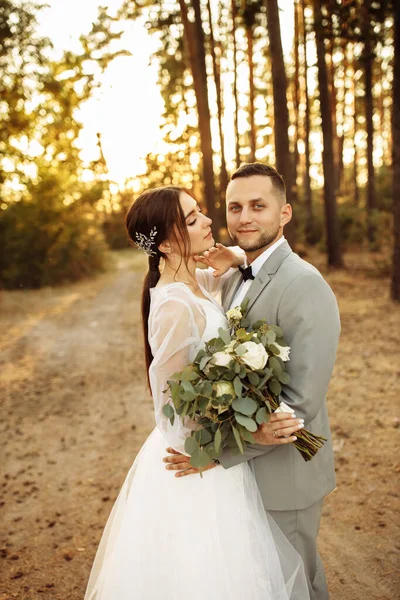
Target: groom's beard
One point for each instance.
(265, 239)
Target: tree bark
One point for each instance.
(248, 17)
(195, 42)
(281, 114)
(368, 59)
(223, 177)
(296, 94)
(309, 225)
(395, 287)
(332, 225)
(235, 90)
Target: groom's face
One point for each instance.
(256, 212)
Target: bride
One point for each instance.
(192, 538)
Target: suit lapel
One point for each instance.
(270, 267)
(234, 284)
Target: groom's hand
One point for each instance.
(280, 429)
(180, 463)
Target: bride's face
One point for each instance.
(198, 225)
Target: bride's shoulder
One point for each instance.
(171, 295)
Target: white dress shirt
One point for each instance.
(255, 267)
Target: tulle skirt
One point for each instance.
(192, 538)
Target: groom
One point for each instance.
(287, 291)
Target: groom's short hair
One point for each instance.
(256, 168)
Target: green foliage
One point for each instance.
(47, 244)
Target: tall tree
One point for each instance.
(194, 36)
(395, 288)
(296, 86)
(281, 114)
(223, 177)
(235, 85)
(368, 61)
(249, 10)
(309, 225)
(332, 224)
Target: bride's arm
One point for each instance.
(174, 333)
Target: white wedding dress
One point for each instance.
(189, 538)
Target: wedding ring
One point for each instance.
(276, 433)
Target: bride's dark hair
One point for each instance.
(160, 210)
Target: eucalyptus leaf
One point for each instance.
(237, 384)
(246, 435)
(278, 330)
(206, 388)
(189, 396)
(238, 439)
(247, 406)
(284, 377)
(246, 422)
(225, 335)
(204, 361)
(200, 355)
(203, 403)
(275, 387)
(271, 336)
(243, 372)
(261, 415)
(168, 411)
(217, 441)
(240, 350)
(275, 365)
(191, 445)
(200, 459)
(253, 378)
(258, 324)
(205, 437)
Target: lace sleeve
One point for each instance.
(175, 328)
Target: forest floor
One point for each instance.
(75, 411)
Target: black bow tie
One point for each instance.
(246, 273)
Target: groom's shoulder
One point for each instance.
(297, 274)
(294, 266)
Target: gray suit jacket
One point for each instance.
(291, 293)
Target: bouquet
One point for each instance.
(231, 388)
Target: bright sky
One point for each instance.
(127, 109)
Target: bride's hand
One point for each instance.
(220, 258)
(180, 462)
(280, 429)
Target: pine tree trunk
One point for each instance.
(309, 226)
(395, 288)
(281, 114)
(368, 59)
(296, 95)
(332, 224)
(223, 177)
(354, 116)
(235, 89)
(195, 42)
(252, 127)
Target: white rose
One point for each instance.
(221, 359)
(224, 387)
(256, 356)
(283, 352)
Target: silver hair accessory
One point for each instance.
(145, 243)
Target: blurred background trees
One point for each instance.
(323, 114)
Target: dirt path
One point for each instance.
(74, 413)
